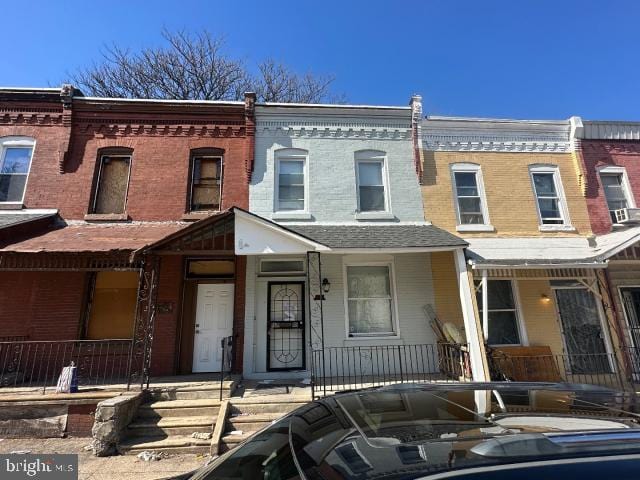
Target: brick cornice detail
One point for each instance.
(41, 117)
(161, 128)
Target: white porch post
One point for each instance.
(474, 339)
(485, 305)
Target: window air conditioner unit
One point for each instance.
(628, 215)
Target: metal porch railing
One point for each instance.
(337, 369)
(38, 364)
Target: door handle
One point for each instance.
(197, 331)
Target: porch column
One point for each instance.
(485, 305)
(477, 354)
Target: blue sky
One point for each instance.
(517, 58)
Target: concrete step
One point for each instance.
(172, 444)
(251, 423)
(169, 426)
(194, 392)
(230, 441)
(255, 408)
(180, 408)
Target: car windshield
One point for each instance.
(409, 433)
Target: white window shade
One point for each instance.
(370, 303)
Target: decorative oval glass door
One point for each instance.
(285, 326)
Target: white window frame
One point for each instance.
(562, 200)
(17, 141)
(394, 300)
(372, 156)
(290, 154)
(520, 323)
(289, 273)
(193, 172)
(471, 168)
(626, 186)
(126, 192)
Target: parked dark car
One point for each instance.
(466, 431)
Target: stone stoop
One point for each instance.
(167, 423)
(251, 416)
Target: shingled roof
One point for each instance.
(379, 236)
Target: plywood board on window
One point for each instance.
(113, 305)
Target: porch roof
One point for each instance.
(543, 252)
(338, 237)
(12, 218)
(83, 237)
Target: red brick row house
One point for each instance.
(610, 162)
(116, 233)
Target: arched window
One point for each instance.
(15, 163)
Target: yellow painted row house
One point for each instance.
(513, 189)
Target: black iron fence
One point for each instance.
(38, 364)
(346, 368)
(588, 368)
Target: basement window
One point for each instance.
(112, 185)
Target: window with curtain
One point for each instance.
(614, 192)
(206, 183)
(369, 300)
(502, 313)
(548, 197)
(468, 197)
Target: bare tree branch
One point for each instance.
(195, 67)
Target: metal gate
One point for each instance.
(285, 326)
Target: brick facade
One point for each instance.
(69, 134)
(602, 153)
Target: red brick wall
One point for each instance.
(238, 313)
(80, 419)
(159, 182)
(42, 305)
(596, 154)
(163, 354)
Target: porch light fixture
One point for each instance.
(544, 298)
(326, 285)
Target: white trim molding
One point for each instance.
(467, 134)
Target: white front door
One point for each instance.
(214, 321)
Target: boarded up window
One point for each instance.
(113, 305)
(211, 268)
(113, 180)
(206, 182)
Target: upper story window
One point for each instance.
(15, 162)
(617, 190)
(206, 182)
(113, 182)
(550, 201)
(470, 200)
(371, 177)
(291, 180)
